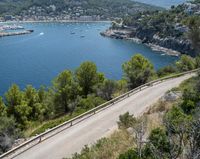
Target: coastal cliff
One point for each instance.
(169, 45)
(165, 31)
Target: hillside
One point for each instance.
(164, 4)
(168, 29)
(71, 9)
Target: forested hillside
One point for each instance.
(170, 29)
(73, 8)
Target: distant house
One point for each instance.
(8, 17)
(190, 8)
(85, 18)
(181, 28)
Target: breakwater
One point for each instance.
(2, 34)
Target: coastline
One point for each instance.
(167, 51)
(117, 34)
(57, 21)
(3, 34)
(126, 35)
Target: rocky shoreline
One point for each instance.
(3, 34)
(166, 51)
(157, 45)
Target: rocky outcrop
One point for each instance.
(181, 45)
(175, 46)
(117, 33)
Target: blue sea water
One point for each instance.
(39, 57)
(163, 3)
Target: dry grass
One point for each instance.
(159, 107)
(108, 148)
(154, 115)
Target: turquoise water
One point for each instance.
(38, 57)
(163, 3)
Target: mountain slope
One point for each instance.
(104, 8)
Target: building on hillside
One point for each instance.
(8, 17)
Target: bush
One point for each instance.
(107, 89)
(167, 70)
(138, 71)
(8, 133)
(186, 63)
(190, 99)
(130, 154)
(126, 121)
(90, 102)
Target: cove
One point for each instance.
(39, 57)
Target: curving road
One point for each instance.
(95, 127)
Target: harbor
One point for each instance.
(12, 30)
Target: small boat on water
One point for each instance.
(31, 31)
(72, 33)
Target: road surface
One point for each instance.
(72, 140)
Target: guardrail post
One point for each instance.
(40, 139)
(71, 123)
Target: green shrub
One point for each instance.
(130, 154)
(186, 63)
(167, 70)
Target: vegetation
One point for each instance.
(177, 136)
(166, 71)
(104, 8)
(30, 111)
(88, 77)
(138, 71)
(107, 148)
(8, 133)
(194, 33)
(34, 111)
(185, 63)
(180, 129)
(176, 28)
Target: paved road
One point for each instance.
(90, 130)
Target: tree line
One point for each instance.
(74, 92)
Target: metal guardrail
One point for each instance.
(41, 137)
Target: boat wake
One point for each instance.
(41, 34)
